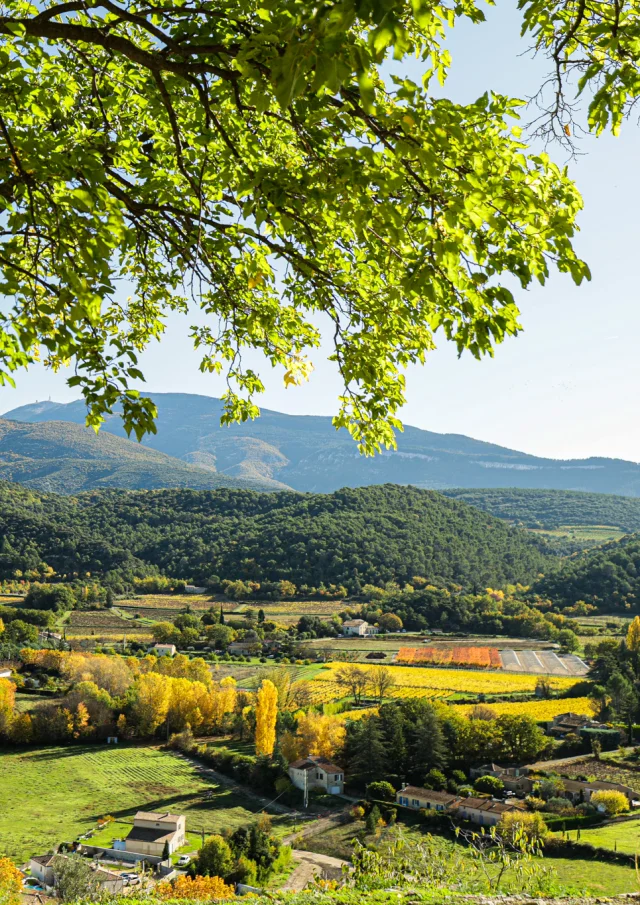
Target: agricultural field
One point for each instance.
(598, 534)
(51, 795)
(539, 709)
(165, 607)
(451, 680)
(607, 770)
(460, 655)
(104, 624)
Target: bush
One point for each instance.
(489, 784)
(610, 802)
(381, 791)
(530, 824)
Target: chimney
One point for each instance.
(404, 786)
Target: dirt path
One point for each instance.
(315, 827)
(312, 865)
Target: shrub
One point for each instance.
(529, 824)
(489, 784)
(195, 889)
(610, 801)
(381, 791)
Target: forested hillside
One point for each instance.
(552, 508)
(608, 577)
(351, 537)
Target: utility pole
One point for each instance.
(306, 791)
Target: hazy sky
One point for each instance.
(568, 386)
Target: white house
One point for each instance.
(165, 650)
(151, 832)
(317, 773)
(358, 627)
(41, 867)
(5, 673)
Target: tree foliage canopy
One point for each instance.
(249, 159)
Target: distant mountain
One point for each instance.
(65, 458)
(305, 452)
(553, 508)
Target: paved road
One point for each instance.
(312, 865)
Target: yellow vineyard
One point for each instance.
(450, 680)
(539, 710)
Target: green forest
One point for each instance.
(552, 508)
(608, 577)
(353, 537)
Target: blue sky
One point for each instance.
(568, 385)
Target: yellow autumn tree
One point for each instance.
(633, 635)
(10, 883)
(316, 734)
(266, 716)
(151, 696)
(21, 729)
(195, 889)
(7, 703)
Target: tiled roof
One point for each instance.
(311, 763)
(487, 804)
(142, 834)
(44, 860)
(157, 818)
(432, 794)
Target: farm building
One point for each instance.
(358, 627)
(164, 650)
(151, 832)
(317, 773)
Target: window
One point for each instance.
(415, 803)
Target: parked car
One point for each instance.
(183, 860)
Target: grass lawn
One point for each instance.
(571, 875)
(623, 836)
(51, 795)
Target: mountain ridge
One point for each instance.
(63, 457)
(306, 453)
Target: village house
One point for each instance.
(164, 650)
(152, 832)
(514, 779)
(484, 811)
(578, 791)
(5, 673)
(194, 589)
(427, 799)
(565, 723)
(317, 773)
(358, 627)
(41, 867)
